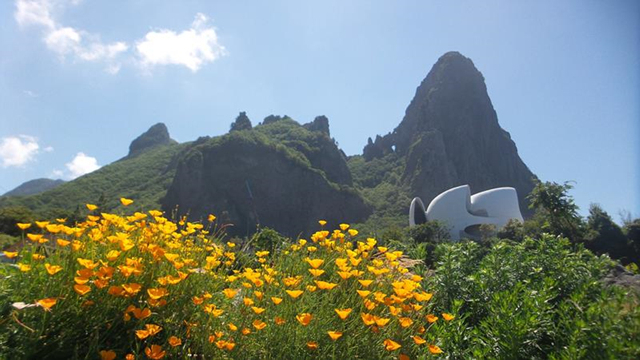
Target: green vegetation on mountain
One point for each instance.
(265, 176)
(144, 178)
(33, 187)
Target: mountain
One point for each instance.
(33, 187)
(145, 177)
(157, 135)
(279, 175)
(450, 136)
(287, 176)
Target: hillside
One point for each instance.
(144, 177)
(33, 187)
(279, 174)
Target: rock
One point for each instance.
(157, 135)
(619, 276)
(253, 177)
(242, 122)
(320, 123)
(450, 136)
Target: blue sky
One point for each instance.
(80, 79)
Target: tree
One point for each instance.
(605, 236)
(556, 210)
(242, 122)
(12, 215)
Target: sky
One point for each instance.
(80, 79)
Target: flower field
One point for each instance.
(142, 286)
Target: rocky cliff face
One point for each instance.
(256, 177)
(157, 135)
(450, 136)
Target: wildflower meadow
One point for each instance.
(142, 286)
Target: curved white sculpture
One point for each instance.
(464, 213)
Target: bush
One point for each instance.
(536, 299)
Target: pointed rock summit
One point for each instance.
(450, 136)
(157, 135)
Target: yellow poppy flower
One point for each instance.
(422, 296)
(391, 345)
(381, 321)
(448, 317)
(91, 207)
(62, 242)
(47, 303)
(334, 335)
(312, 345)
(304, 318)
(10, 254)
(418, 340)
(363, 293)
(81, 289)
(141, 313)
(405, 322)
(156, 294)
(175, 341)
(322, 222)
(368, 319)
(323, 285)
(279, 321)
(126, 202)
(107, 354)
(258, 310)
(314, 263)
(248, 301)
(431, 318)
(259, 325)
(154, 352)
(343, 313)
(316, 272)
(24, 226)
(211, 218)
(229, 293)
(344, 227)
(294, 293)
(434, 349)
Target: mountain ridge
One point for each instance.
(287, 175)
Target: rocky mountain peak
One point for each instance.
(450, 136)
(158, 134)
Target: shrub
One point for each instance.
(536, 299)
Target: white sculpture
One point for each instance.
(464, 213)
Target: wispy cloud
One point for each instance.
(67, 41)
(80, 165)
(18, 150)
(191, 48)
(30, 93)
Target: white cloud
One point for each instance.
(191, 48)
(80, 165)
(18, 150)
(64, 40)
(34, 12)
(56, 173)
(30, 93)
(48, 149)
